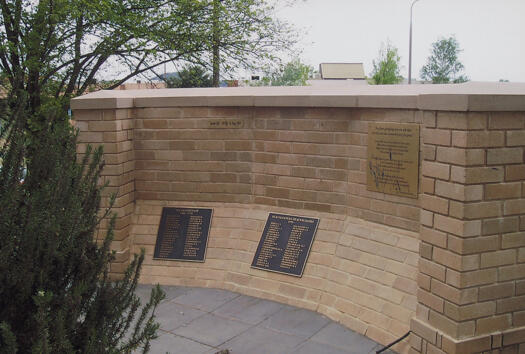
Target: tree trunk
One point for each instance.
(216, 43)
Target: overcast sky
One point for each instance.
(490, 32)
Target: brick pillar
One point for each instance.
(112, 128)
(471, 295)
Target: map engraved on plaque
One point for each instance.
(183, 234)
(393, 158)
(285, 244)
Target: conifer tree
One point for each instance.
(55, 292)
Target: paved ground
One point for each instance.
(204, 321)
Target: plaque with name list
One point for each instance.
(285, 244)
(183, 234)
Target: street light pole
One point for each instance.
(410, 46)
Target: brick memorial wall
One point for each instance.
(448, 265)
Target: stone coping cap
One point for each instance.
(471, 96)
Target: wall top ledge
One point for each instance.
(471, 96)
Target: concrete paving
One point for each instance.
(205, 321)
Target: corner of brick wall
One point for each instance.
(113, 129)
(472, 254)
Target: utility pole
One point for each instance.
(410, 46)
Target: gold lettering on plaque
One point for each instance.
(226, 123)
(393, 158)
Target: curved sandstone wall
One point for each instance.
(359, 273)
(448, 265)
(300, 158)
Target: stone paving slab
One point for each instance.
(248, 309)
(205, 321)
(170, 343)
(212, 330)
(296, 321)
(258, 340)
(341, 337)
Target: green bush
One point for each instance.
(56, 295)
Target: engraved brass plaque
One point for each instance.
(183, 234)
(393, 159)
(285, 244)
(226, 123)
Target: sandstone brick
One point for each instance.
(513, 240)
(428, 118)
(473, 245)
(506, 120)
(431, 349)
(455, 261)
(155, 124)
(493, 324)
(429, 152)
(425, 250)
(333, 174)
(91, 137)
(430, 268)
(450, 327)
(427, 185)
(504, 156)
(450, 293)
(518, 319)
(483, 210)
(476, 175)
(415, 343)
(436, 137)
(515, 173)
(512, 272)
(459, 191)
(435, 204)
(423, 330)
(456, 226)
(498, 258)
(515, 138)
(511, 304)
(463, 157)
(456, 209)
(514, 336)
(475, 345)
(460, 120)
(430, 300)
(477, 139)
(500, 225)
(436, 170)
(472, 278)
(502, 190)
(469, 312)
(496, 291)
(514, 207)
(427, 218)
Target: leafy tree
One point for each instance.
(245, 34)
(443, 65)
(386, 66)
(56, 48)
(55, 292)
(190, 76)
(294, 73)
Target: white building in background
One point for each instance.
(342, 71)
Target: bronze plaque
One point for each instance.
(393, 159)
(226, 123)
(183, 234)
(285, 244)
